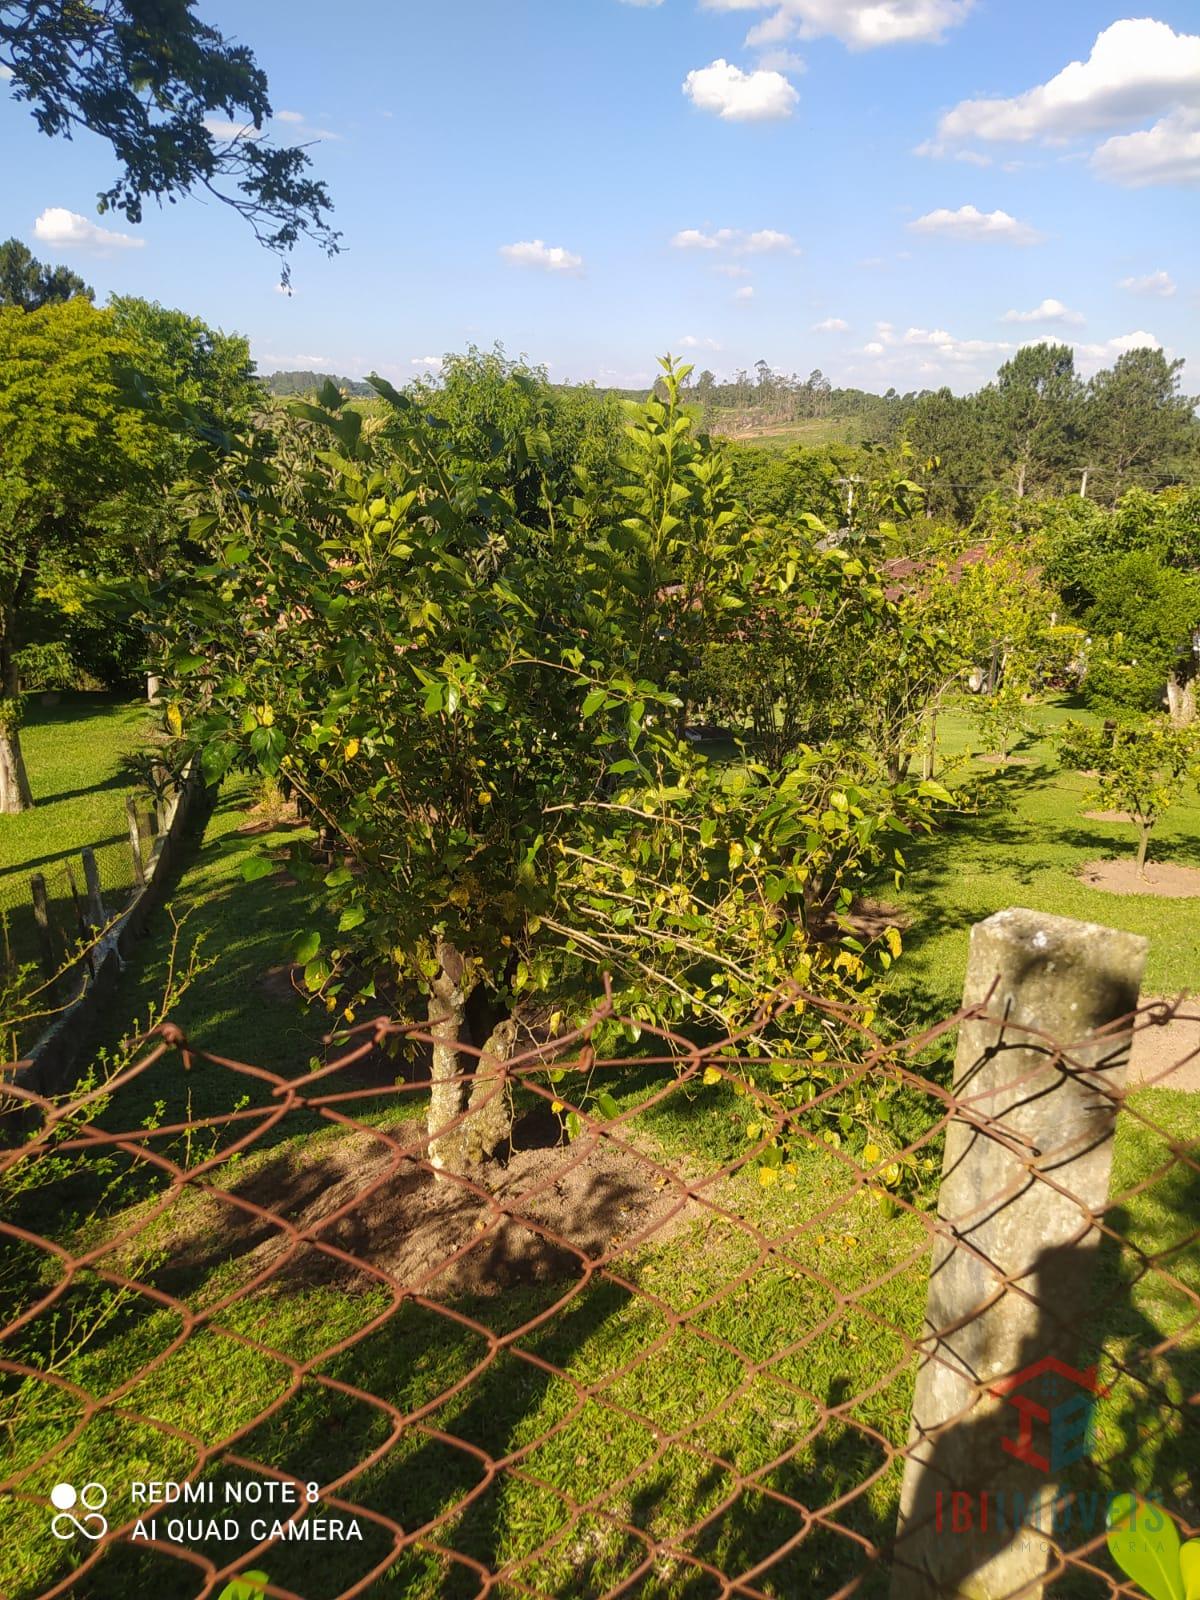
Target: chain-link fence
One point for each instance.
(678, 1335)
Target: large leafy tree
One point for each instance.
(27, 283)
(68, 438)
(147, 76)
(1032, 415)
(483, 713)
(1142, 432)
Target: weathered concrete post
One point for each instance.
(41, 921)
(135, 843)
(95, 895)
(1027, 1164)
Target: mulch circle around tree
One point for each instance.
(1107, 816)
(1163, 878)
(1013, 761)
(1168, 1056)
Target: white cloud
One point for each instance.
(1094, 356)
(862, 24)
(535, 253)
(641, 2)
(289, 116)
(1048, 311)
(1159, 284)
(744, 295)
(5, 72)
(765, 241)
(831, 325)
(1138, 68)
(730, 269)
(229, 131)
(691, 342)
(1169, 152)
(430, 363)
(971, 224)
(67, 230)
(737, 96)
(283, 288)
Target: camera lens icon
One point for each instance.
(93, 1497)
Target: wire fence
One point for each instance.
(668, 1341)
(60, 883)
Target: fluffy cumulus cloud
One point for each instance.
(763, 95)
(227, 131)
(427, 363)
(691, 342)
(734, 241)
(61, 229)
(1161, 285)
(1169, 152)
(862, 24)
(5, 72)
(1048, 311)
(1092, 357)
(831, 325)
(1139, 70)
(541, 257)
(973, 225)
(933, 352)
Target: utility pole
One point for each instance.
(1087, 472)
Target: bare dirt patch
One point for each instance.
(1107, 816)
(551, 1212)
(1163, 878)
(1013, 761)
(1168, 1056)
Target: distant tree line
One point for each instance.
(286, 384)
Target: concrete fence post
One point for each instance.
(95, 896)
(41, 922)
(1026, 1169)
(135, 843)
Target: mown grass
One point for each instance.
(1025, 846)
(73, 754)
(811, 432)
(697, 1405)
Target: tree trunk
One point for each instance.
(1181, 699)
(447, 1027)
(15, 794)
(1143, 846)
(486, 1116)
(153, 687)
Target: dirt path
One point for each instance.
(1169, 1057)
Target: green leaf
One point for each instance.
(930, 790)
(351, 918)
(1189, 1569)
(306, 947)
(1144, 1542)
(574, 1126)
(257, 867)
(607, 1106)
(249, 1586)
(593, 702)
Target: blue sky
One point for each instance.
(880, 188)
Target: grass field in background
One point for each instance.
(1025, 847)
(811, 432)
(73, 754)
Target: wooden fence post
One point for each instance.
(91, 874)
(135, 843)
(1026, 1171)
(41, 918)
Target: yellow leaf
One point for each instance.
(711, 1076)
(753, 1129)
(351, 749)
(556, 1106)
(485, 797)
(175, 720)
(872, 1154)
(767, 1176)
(894, 942)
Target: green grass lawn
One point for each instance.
(679, 1378)
(73, 754)
(1025, 847)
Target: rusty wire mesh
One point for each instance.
(624, 1364)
